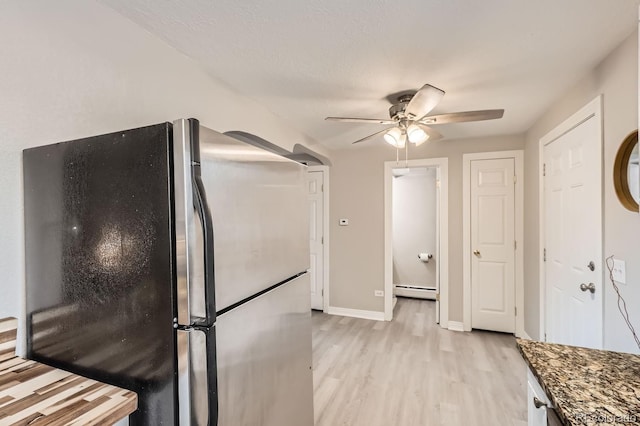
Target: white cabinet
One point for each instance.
(537, 402)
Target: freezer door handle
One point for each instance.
(206, 222)
(193, 230)
(197, 381)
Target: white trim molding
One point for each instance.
(456, 326)
(518, 156)
(443, 233)
(356, 313)
(325, 234)
(592, 109)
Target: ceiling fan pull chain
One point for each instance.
(406, 155)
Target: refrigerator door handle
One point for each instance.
(185, 232)
(193, 232)
(197, 381)
(206, 222)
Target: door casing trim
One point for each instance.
(518, 156)
(592, 109)
(443, 231)
(325, 234)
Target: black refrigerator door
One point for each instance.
(99, 263)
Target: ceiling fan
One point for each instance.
(410, 120)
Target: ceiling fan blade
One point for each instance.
(461, 117)
(434, 135)
(423, 101)
(366, 138)
(361, 120)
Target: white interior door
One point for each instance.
(572, 232)
(493, 244)
(316, 238)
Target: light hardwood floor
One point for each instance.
(412, 372)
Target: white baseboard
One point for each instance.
(456, 326)
(525, 336)
(356, 313)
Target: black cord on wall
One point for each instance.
(622, 305)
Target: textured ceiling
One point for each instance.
(305, 60)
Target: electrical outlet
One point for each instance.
(378, 293)
(619, 271)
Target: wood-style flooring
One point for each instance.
(410, 371)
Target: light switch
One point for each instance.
(619, 271)
(344, 222)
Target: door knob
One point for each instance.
(538, 402)
(591, 266)
(591, 287)
(476, 252)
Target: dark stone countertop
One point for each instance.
(586, 386)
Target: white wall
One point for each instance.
(617, 79)
(414, 226)
(74, 68)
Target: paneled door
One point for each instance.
(316, 238)
(492, 194)
(572, 237)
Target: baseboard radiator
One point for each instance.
(416, 291)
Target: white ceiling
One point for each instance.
(305, 60)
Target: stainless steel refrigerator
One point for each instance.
(171, 260)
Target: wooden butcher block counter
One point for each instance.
(32, 393)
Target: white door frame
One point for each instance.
(592, 109)
(518, 156)
(325, 233)
(443, 231)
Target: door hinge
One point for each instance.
(544, 169)
(515, 179)
(322, 292)
(515, 310)
(544, 255)
(322, 188)
(321, 240)
(437, 297)
(515, 245)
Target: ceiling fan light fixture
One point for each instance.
(395, 137)
(409, 116)
(417, 135)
